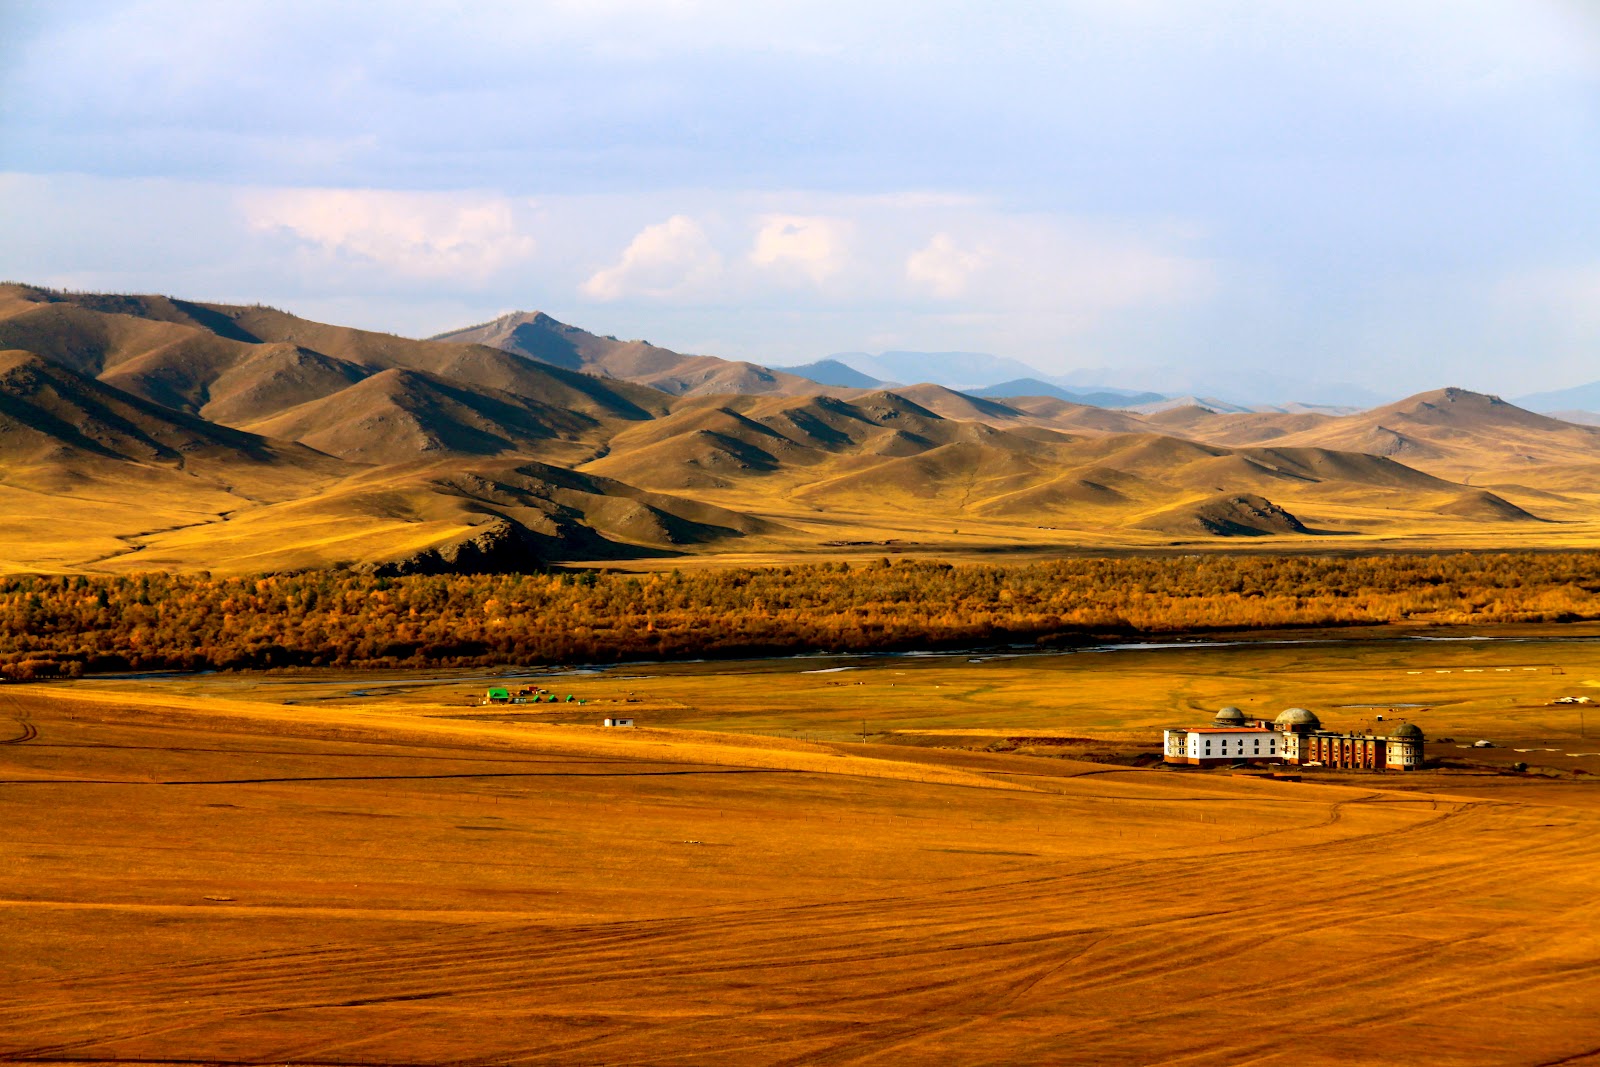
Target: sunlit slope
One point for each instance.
(1234, 428)
(715, 442)
(1080, 418)
(85, 468)
(882, 453)
(1454, 433)
(424, 517)
(1457, 431)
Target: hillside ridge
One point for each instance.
(242, 436)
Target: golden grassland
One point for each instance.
(322, 868)
(129, 518)
(123, 526)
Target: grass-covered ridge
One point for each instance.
(69, 625)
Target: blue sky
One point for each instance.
(1397, 195)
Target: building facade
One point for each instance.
(1295, 737)
(1220, 744)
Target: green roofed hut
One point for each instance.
(497, 695)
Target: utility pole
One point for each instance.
(864, 731)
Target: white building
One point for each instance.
(617, 722)
(1203, 745)
(1295, 737)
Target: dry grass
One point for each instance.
(197, 871)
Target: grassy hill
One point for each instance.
(146, 431)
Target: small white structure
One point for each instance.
(1221, 744)
(617, 722)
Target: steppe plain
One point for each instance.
(319, 869)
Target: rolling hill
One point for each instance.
(147, 431)
(256, 362)
(832, 372)
(50, 412)
(396, 416)
(1455, 431)
(1030, 387)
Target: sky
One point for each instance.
(1293, 200)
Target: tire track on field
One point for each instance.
(461, 966)
(24, 720)
(1018, 898)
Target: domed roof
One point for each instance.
(1298, 717)
(1229, 714)
(1408, 730)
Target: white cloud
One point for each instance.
(814, 246)
(667, 259)
(943, 267)
(424, 235)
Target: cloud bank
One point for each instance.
(1398, 194)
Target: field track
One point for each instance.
(191, 888)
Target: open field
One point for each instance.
(1495, 684)
(314, 868)
(113, 528)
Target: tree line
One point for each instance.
(52, 626)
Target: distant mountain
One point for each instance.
(832, 372)
(1456, 430)
(952, 404)
(1582, 418)
(1577, 398)
(1246, 387)
(1297, 408)
(1138, 388)
(958, 370)
(538, 336)
(1205, 403)
(1100, 398)
(1061, 414)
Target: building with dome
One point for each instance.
(1295, 725)
(1231, 738)
(1295, 737)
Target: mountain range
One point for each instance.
(148, 432)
